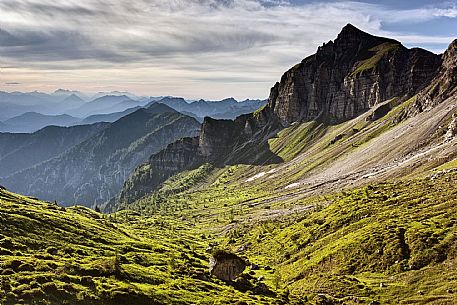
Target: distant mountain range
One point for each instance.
(225, 109)
(110, 117)
(105, 105)
(29, 112)
(32, 121)
(59, 102)
(21, 151)
(93, 171)
(66, 93)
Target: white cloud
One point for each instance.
(235, 47)
(449, 12)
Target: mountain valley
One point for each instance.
(92, 171)
(339, 189)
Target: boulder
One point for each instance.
(226, 266)
(452, 129)
(244, 247)
(254, 267)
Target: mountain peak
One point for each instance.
(351, 29)
(172, 98)
(230, 100)
(355, 62)
(352, 35)
(60, 90)
(73, 97)
(160, 108)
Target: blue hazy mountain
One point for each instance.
(33, 121)
(224, 109)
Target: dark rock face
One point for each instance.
(178, 156)
(443, 86)
(226, 266)
(348, 76)
(217, 136)
(215, 144)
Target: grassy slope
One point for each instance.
(334, 246)
(341, 245)
(378, 53)
(402, 234)
(52, 255)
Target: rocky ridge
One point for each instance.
(345, 78)
(443, 86)
(350, 75)
(93, 171)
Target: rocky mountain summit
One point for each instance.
(350, 75)
(344, 79)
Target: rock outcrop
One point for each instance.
(226, 266)
(216, 144)
(443, 86)
(348, 76)
(178, 156)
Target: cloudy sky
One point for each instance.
(192, 48)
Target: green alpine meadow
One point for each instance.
(338, 186)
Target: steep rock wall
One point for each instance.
(349, 76)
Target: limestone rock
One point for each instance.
(217, 136)
(452, 129)
(226, 266)
(348, 76)
(442, 87)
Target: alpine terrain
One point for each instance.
(340, 189)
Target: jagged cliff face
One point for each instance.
(178, 156)
(216, 139)
(442, 87)
(217, 136)
(349, 76)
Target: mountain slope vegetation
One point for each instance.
(353, 201)
(55, 255)
(392, 243)
(341, 190)
(21, 151)
(93, 171)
